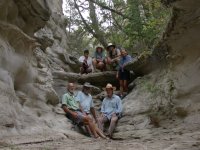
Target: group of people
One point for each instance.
(80, 109)
(101, 60)
(114, 59)
(79, 105)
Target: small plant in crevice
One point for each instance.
(151, 88)
(171, 89)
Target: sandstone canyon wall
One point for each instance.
(32, 47)
(169, 96)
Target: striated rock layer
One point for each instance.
(32, 46)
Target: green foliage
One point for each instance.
(154, 89)
(79, 40)
(149, 19)
(136, 25)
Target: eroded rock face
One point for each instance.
(171, 92)
(183, 58)
(32, 41)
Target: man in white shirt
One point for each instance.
(86, 60)
(85, 99)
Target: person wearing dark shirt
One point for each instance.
(112, 57)
(86, 63)
(122, 74)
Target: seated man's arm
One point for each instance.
(107, 56)
(78, 97)
(103, 55)
(74, 114)
(81, 59)
(119, 107)
(90, 64)
(129, 59)
(103, 108)
(81, 109)
(65, 108)
(92, 110)
(117, 57)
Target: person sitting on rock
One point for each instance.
(99, 58)
(75, 113)
(111, 110)
(112, 57)
(122, 74)
(86, 63)
(85, 99)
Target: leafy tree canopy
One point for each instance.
(136, 25)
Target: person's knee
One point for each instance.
(86, 120)
(89, 70)
(114, 119)
(94, 62)
(89, 119)
(108, 61)
(82, 70)
(100, 63)
(100, 119)
(100, 66)
(90, 116)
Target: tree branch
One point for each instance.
(110, 9)
(97, 35)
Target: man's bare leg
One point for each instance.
(100, 133)
(88, 121)
(121, 84)
(101, 121)
(112, 126)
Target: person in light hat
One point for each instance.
(111, 110)
(99, 58)
(112, 57)
(85, 99)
